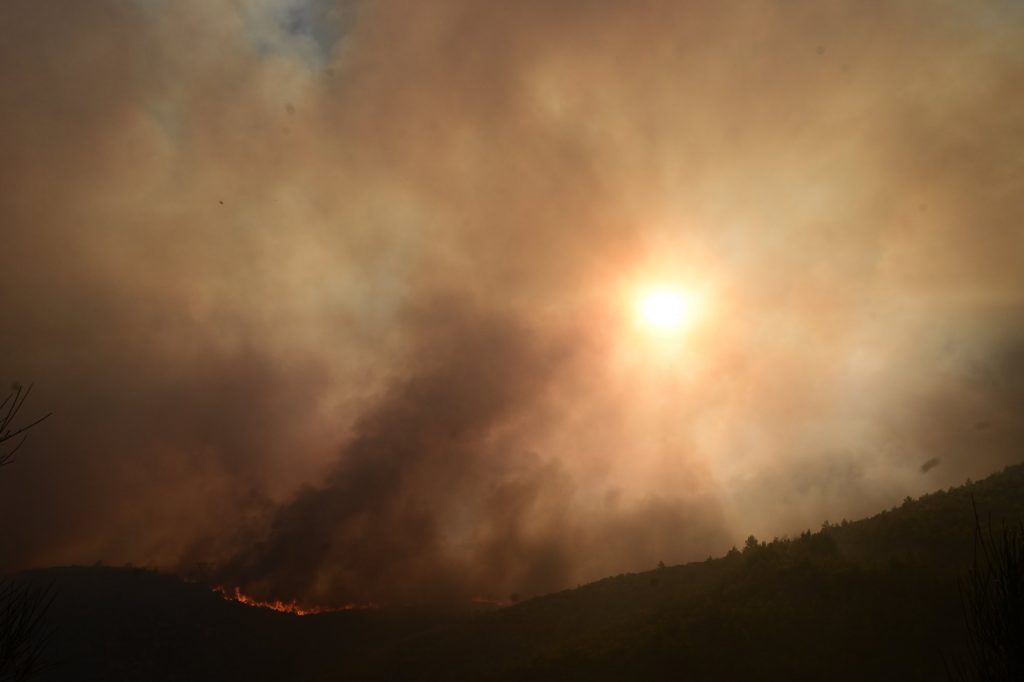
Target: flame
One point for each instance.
(292, 607)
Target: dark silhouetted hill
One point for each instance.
(875, 599)
(137, 624)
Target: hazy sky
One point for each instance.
(336, 298)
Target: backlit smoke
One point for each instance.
(332, 299)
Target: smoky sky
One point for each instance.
(331, 298)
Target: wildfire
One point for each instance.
(292, 607)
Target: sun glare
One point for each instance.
(665, 309)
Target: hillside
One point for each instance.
(136, 624)
(872, 599)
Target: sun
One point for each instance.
(665, 308)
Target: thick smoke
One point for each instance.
(423, 477)
(438, 494)
(333, 296)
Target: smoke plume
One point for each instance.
(333, 297)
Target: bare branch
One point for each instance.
(24, 633)
(13, 403)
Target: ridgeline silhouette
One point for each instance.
(873, 599)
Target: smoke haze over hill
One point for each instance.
(331, 296)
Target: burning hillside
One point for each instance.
(292, 607)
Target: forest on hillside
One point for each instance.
(881, 598)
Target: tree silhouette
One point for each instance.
(992, 597)
(9, 409)
(23, 608)
(23, 632)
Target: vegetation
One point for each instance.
(23, 632)
(23, 608)
(873, 599)
(993, 601)
(12, 436)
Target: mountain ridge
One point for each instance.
(874, 598)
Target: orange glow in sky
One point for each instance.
(666, 309)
